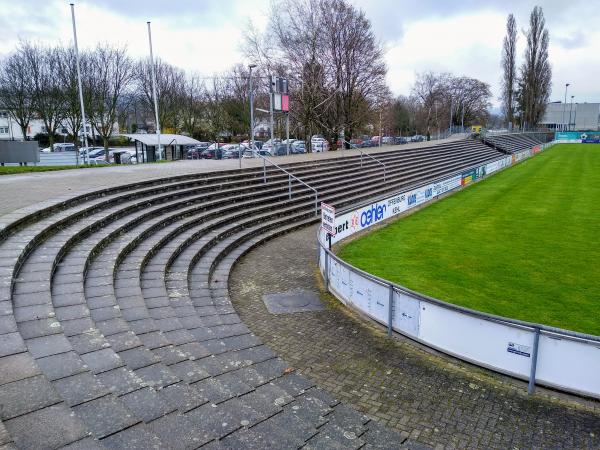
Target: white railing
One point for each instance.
(543, 355)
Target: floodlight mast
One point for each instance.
(251, 95)
(153, 74)
(83, 122)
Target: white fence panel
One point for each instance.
(58, 159)
(502, 347)
(569, 364)
(407, 314)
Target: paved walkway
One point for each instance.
(434, 399)
(25, 189)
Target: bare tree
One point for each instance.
(111, 72)
(47, 90)
(68, 79)
(170, 90)
(536, 73)
(16, 89)
(509, 69)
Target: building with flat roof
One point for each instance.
(561, 116)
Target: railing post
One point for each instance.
(534, 354)
(289, 187)
(264, 171)
(390, 310)
(316, 204)
(361, 159)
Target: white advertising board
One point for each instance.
(351, 222)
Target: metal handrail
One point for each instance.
(370, 156)
(290, 176)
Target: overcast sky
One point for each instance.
(463, 37)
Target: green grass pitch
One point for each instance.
(524, 243)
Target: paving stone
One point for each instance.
(26, 395)
(170, 355)
(188, 371)
(124, 341)
(153, 340)
(61, 365)
(157, 375)
(213, 421)
(147, 404)
(104, 416)
(134, 438)
(88, 342)
(102, 360)
(35, 312)
(11, 343)
(47, 428)
(48, 345)
(136, 358)
(71, 312)
(333, 437)
(77, 326)
(214, 390)
(37, 328)
(79, 388)
(17, 367)
(7, 325)
(120, 381)
(111, 326)
(183, 397)
(143, 326)
(177, 431)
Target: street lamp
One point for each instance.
(251, 140)
(565, 105)
(83, 123)
(570, 111)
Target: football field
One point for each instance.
(524, 243)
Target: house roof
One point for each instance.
(165, 139)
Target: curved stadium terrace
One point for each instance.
(117, 329)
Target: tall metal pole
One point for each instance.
(451, 111)
(154, 93)
(380, 129)
(287, 132)
(462, 120)
(571, 111)
(251, 140)
(83, 122)
(565, 106)
(271, 93)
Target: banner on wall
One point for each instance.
(590, 138)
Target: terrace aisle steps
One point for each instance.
(116, 329)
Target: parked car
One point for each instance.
(319, 145)
(298, 147)
(196, 150)
(268, 145)
(417, 138)
(233, 151)
(280, 150)
(248, 153)
(387, 140)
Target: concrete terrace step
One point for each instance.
(116, 328)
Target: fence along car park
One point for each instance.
(544, 355)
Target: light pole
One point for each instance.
(570, 111)
(451, 110)
(85, 155)
(565, 106)
(251, 140)
(152, 72)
